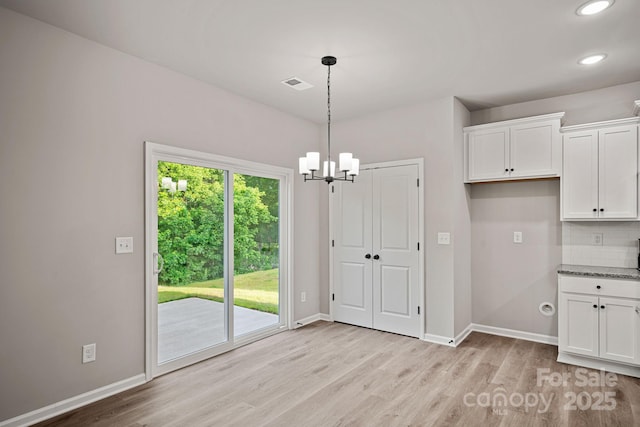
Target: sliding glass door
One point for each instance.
(217, 231)
(191, 249)
(256, 253)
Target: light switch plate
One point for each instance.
(89, 353)
(444, 238)
(124, 245)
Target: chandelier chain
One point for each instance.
(329, 113)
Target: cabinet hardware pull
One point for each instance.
(511, 169)
(598, 287)
(506, 170)
(601, 209)
(638, 310)
(595, 210)
(376, 256)
(595, 305)
(368, 256)
(602, 307)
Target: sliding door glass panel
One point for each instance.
(191, 244)
(256, 284)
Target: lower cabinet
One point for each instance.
(599, 318)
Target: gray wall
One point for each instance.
(610, 103)
(462, 225)
(509, 281)
(74, 115)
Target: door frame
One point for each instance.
(421, 258)
(155, 152)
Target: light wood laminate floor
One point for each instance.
(330, 374)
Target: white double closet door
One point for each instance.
(376, 274)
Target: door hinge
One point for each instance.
(418, 309)
(418, 182)
(333, 243)
(333, 297)
(418, 245)
(333, 189)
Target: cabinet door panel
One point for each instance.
(618, 172)
(578, 324)
(619, 332)
(535, 150)
(488, 154)
(580, 175)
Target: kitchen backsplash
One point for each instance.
(618, 248)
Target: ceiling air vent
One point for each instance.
(296, 83)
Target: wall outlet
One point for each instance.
(517, 237)
(124, 245)
(89, 353)
(596, 239)
(303, 297)
(444, 238)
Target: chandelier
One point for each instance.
(349, 167)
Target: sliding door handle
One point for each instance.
(158, 263)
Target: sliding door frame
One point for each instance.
(155, 152)
(419, 162)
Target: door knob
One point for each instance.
(368, 256)
(376, 256)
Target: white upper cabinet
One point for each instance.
(514, 149)
(600, 171)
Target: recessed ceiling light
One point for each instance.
(592, 59)
(594, 6)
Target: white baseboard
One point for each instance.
(437, 339)
(307, 320)
(463, 335)
(511, 333)
(449, 341)
(73, 402)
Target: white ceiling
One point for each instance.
(390, 53)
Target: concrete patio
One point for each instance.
(192, 324)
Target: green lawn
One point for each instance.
(257, 291)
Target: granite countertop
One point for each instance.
(594, 271)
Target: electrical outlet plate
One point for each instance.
(124, 245)
(444, 238)
(517, 237)
(89, 353)
(596, 239)
(303, 297)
